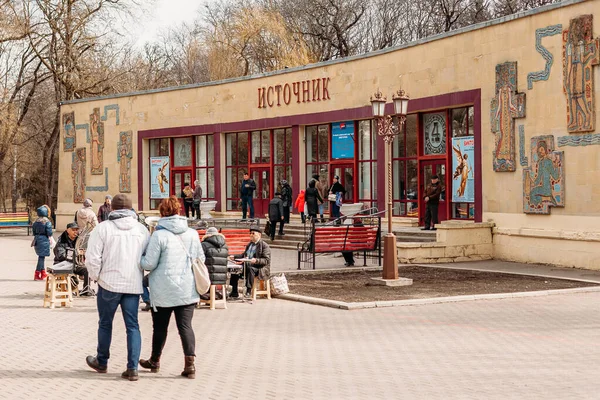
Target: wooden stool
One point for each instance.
(261, 288)
(58, 290)
(212, 302)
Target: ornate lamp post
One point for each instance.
(388, 130)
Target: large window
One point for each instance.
(367, 163)
(159, 148)
(261, 147)
(405, 170)
(317, 153)
(282, 156)
(236, 146)
(205, 165)
(463, 173)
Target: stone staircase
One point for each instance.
(411, 235)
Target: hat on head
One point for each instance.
(434, 177)
(88, 203)
(121, 202)
(284, 182)
(255, 228)
(108, 197)
(212, 231)
(72, 225)
(336, 177)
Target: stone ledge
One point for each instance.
(419, 245)
(340, 305)
(548, 234)
(464, 225)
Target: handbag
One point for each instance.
(201, 277)
(268, 228)
(52, 242)
(279, 285)
(331, 197)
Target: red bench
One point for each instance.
(236, 239)
(333, 239)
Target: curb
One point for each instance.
(436, 300)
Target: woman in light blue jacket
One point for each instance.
(171, 282)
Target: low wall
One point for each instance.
(455, 242)
(576, 249)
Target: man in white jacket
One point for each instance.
(113, 259)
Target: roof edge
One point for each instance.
(470, 28)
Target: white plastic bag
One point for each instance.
(279, 285)
(52, 242)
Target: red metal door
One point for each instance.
(428, 169)
(178, 180)
(263, 193)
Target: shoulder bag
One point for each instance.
(331, 197)
(199, 269)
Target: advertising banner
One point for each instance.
(463, 176)
(342, 140)
(159, 177)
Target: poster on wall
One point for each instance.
(463, 176)
(342, 140)
(159, 177)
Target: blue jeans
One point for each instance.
(247, 201)
(107, 307)
(146, 293)
(335, 209)
(40, 264)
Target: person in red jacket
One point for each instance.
(299, 205)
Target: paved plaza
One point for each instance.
(523, 348)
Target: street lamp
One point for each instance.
(388, 130)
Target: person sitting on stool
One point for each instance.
(259, 254)
(65, 251)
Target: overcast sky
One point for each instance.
(162, 15)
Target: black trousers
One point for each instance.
(82, 271)
(197, 209)
(348, 257)
(251, 272)
(286, 214)
(188, 207)
(274, 228)
(160, 324)
(431, 215)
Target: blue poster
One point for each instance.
(463, 176)
(342, 140)
(159, 177)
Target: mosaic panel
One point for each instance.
(114, 107)
(580, 53)
(70, 138)
(544, 180)
(539, 35)
(124, 156)
(99, 188)
(579, 140)
(505, 107)
(522, 157)
(97, 142)
(78, 174)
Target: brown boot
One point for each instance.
(190, 370)
(152, 364)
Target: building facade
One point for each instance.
(503, 112)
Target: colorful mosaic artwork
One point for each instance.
(99, 188)
(124, 156)
(70, 138)
(544, 180)
(580, 52)
(522, 158)
(97, 142)
(539, 35)
(109, 107)
(78, 174)
(589, 139)
(505, 107)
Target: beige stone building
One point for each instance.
(513, 99)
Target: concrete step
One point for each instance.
(410, 238)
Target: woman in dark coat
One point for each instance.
(42, 232)
(335, 189)
(312, 198)
(216, 252)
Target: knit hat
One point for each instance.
(108, 197)
(212, 231)
(121, 202)
(88, 203)
(336, 177)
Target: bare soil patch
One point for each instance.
(428, 282)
